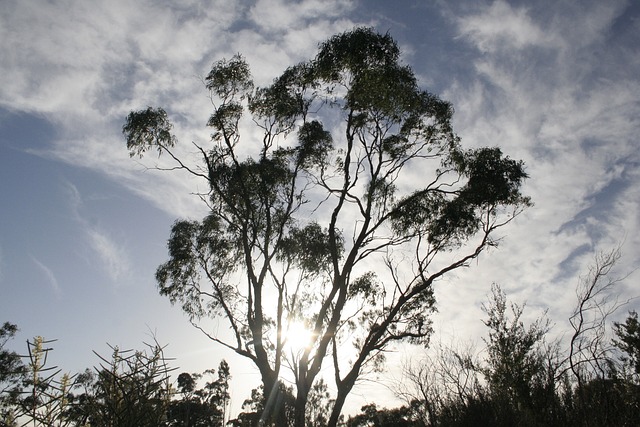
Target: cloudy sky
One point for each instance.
(83, 226)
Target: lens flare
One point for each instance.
(297, 337)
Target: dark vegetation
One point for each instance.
(522, 378)
(519, 378)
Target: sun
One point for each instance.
(298, 337)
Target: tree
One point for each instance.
(131, 388)
(259, 410)
(12, 372)
(513, 384)
(589, 351)
(371, 416)
(521, 368)
(628, 340)
(528, 382)
(442, 385)
(206, 406)
(45, 396)
(514, 352)
(356, 200)
(319, 405)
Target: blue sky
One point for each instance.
(83, 226)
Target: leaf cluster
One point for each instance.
(148, 128)
(197, 248)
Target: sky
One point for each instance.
(83, 226)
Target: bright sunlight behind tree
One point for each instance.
(352, 203)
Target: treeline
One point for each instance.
(130, 388)
(521, 377)
(524, 378)
(521, 382)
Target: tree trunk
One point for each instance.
(337, 408)
(344, 388)
(300, 407)
(274, 402)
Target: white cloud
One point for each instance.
(114, 258)
(501, 26)
(58, 57)
(51, 278)
(281, 16)
(544, 90)
(551, 89)
(85, 65)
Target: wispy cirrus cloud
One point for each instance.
(84, 66)
(49, 275)
(555, 86)
(555, 106)
(501, 26)
(114, 258)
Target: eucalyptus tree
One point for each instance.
(353, 201)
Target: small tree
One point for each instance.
(589, 351)
(258, 410)
(515, 382)
(356, 199)
(206, 406)
(131, 388)
(46, 396)
(515, 361)
(528, 381)
(628, 341)
(440, 387)
(319, 405)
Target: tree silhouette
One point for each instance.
(206, 406)
(355, 199)
(12, 374)
(130, 388)
(628, 340)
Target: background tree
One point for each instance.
(589, 351)
(371, 416)
(598, 397)
(440, 387)
(301, 220)
(319, 405)
(206, 406)
(510, 383)
(522, 380)
(12, 372)
(258, 410)
(515, 363)
(627, 339)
